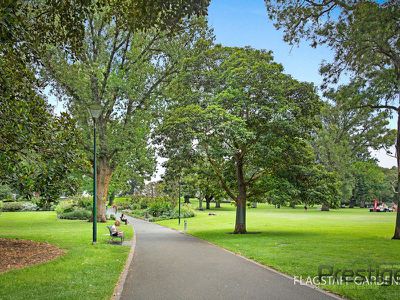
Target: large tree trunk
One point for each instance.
(396, 235)
(240, 225)
(104, 173)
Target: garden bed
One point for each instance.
(17, 254)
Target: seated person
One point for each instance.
(124, 219)
(114, 229)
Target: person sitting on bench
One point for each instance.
(124, 219)
(114, 229)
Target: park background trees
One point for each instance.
(29, 29)
(364, 36)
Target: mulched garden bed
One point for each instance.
(17, 254)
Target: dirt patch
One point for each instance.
(17, 254)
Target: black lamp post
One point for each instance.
(95, 111)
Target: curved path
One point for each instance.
(169, 265)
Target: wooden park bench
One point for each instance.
(113, 237)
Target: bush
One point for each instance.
(65, 206)
(123, 202)
(186, 212)
(112, 217)
(29, 206)
(76, 214)
(84, 202)
(144, 202)
(76, 208)
(19, 206)
(157, 209)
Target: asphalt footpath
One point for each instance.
(169, 265)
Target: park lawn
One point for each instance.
(86, 271)
(296, 242)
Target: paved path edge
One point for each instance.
(122, 277)
(311, 286)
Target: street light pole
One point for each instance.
(94, 185)
(95, 111)
(179, 211)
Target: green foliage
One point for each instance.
(370, 183)
(123, 202)
(157, 209)
(6, 192)
(65, 206)
(144, 202)
(76, 208)
(237, 112)
(139, 67)
(76, 214)
(19, 206)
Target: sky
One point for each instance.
(245, 23)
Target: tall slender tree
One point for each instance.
(124, 72)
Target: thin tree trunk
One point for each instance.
(362, 202)
(396, 235)
(200, 203)
(254, 204)
(217, 203)
(104, 174)
(240, 225)
(208, 200)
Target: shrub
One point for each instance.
(29, 206)
(84, 202)
(112, 217)
(76, 214)
(157, 209)
(145, 201)
(65, 206)
(186, 212)
(19, 206)
(123, 202)
(77, 208)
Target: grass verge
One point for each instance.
(86, 271)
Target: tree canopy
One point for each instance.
(244, 116)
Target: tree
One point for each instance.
(237, 109)
(365, 38)
(370, 182)
(347, 135)
(123, 71)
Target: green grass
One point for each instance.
(296, 242)
(86, 271)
